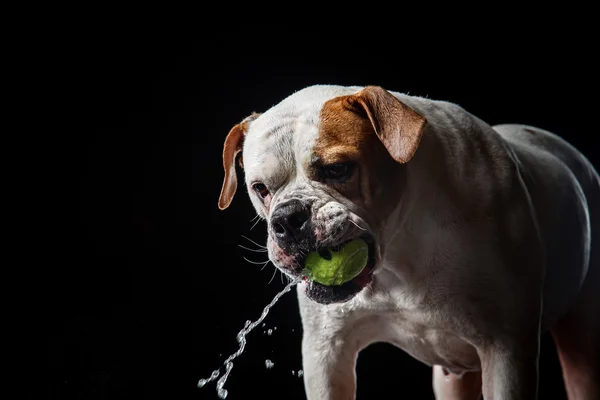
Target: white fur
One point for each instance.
(287, 133)
(443, 291)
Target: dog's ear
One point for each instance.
(232, 147)
(398, 126)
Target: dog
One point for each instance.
(480, 238)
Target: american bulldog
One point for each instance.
(480, 238)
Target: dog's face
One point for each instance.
(323, 167)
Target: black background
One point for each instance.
(151, 286)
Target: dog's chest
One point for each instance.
(432, 346)
(420, 332)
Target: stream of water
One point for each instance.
(241, 339)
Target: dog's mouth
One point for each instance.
(340, 293)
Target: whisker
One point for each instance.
(259, 245)
(359, 227)
(298, 264)
(274, 272)
(253, 218)
(255, 262)
(264, 265)
(256, 250)
(256, 223)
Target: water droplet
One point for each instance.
(264, 324)
(300, 373)
(274, 328)
(269, 332)
(222, 393)
(293, 373)
(241, 338)
(269, 364)
(447, 378)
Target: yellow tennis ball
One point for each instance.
(330, 267)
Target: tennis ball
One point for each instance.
(330, 267)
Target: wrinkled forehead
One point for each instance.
(276, 144)
(281, 139)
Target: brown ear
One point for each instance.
(233, 145)
(398, 126)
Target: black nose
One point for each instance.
(290, 223)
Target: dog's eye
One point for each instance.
(261, 189)
(337, 171)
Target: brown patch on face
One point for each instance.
(378, 133)
(347, 135)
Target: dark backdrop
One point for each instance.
(151, 285)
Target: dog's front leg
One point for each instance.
(510, 374)
(509, 348)
(329, 366)
(329, 351)
(509, 354)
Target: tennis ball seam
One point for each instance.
(346, 261)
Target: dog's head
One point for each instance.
(322, 167)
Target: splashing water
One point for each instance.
(241, 339)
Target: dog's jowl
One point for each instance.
(480, 238)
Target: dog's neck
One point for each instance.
(428, 199)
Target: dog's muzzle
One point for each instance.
(294, 235)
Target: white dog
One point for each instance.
(480, 238)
